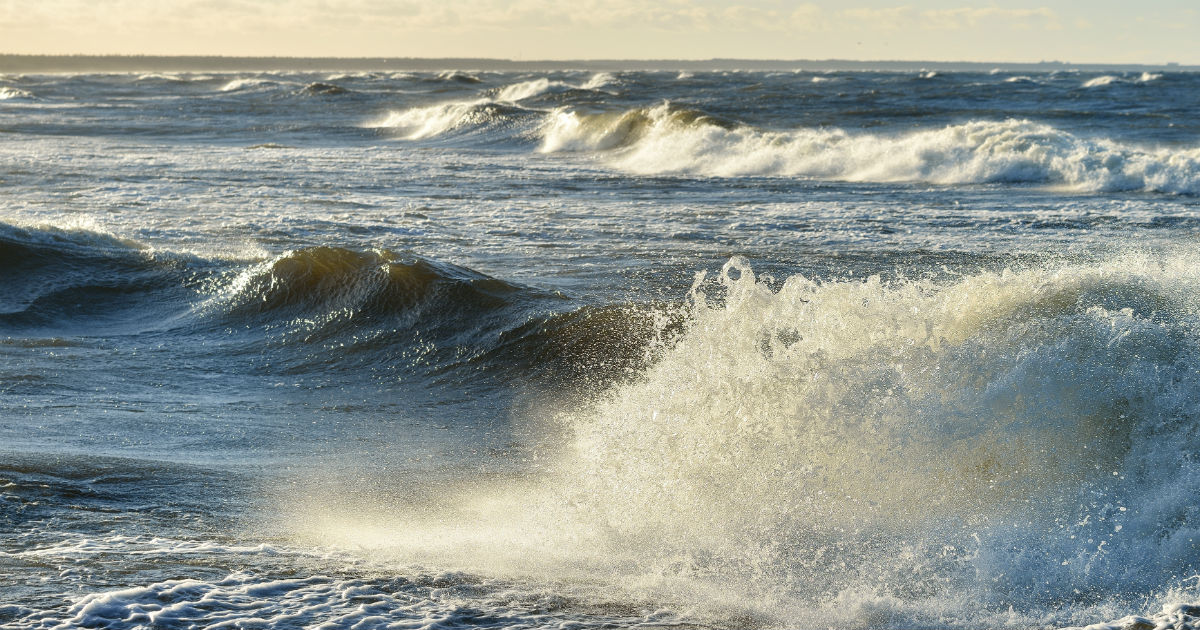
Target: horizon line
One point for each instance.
(77, 61)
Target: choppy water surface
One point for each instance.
(580, 349)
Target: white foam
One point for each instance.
(246, 600)
(245, 83)
(1101, 81)
(161, 76)
(530, 89)
(599, 80)
(861, 453)
(426, 122)
(660, 141)
(456, 75)
(12, 93)
(1147, 77)
(82, 547)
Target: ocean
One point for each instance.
(580, 349)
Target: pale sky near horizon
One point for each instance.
(1101, 31)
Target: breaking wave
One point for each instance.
(247, 83)
(12, 93)
(1108, 79)
(567, 130)
(528, 89)
(671, 140)
(436, 120)
(674, 139)
(1101, 81)
(1004, 449)
(457, 77)
(599, 80)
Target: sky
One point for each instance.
(1076, 31)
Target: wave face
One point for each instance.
(82, 279)
(323, 310)
(1004, 449)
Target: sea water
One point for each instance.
(578, 349)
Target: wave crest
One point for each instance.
(567, 130)
(334, 283)
(662, 140)
(849, 452)
(12, 93)
(420, 123)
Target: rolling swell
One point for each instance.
(78, 280)
(329, 308)
(320, 309)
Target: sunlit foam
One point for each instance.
(858, 453)
(667, 139)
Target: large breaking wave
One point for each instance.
(1004, 449)
(673, 139)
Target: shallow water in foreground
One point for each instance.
(657, 349)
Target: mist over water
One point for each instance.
(666, 349)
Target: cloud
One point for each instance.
(406, 15)
(970, 17)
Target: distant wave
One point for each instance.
(435, 120)
(497, 108)
(667, 139)
(1101, 81)
(319, 88)
(246, 83)
(528, 89)
(1108, 79)
(567, 130)
(163, 76)
(676, 139)
(12, 93)
(343, 76)
(599, 80)
(457, 77)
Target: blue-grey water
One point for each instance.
(578, 349)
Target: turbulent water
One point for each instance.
(577, 349)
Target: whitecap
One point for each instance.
(13, 93)
(1101, 81)
(660, 141)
